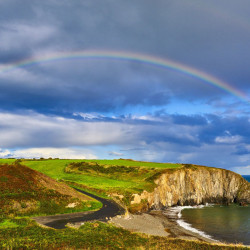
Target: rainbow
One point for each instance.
(134, 57)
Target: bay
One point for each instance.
(224, 223)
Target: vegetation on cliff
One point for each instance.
(124, 180)
(104, 177)
(193, 185)
(24, 191)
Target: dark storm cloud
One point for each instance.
(193, 34)
(10, 56)
(65, 103)
(79, 86)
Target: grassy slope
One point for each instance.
(102, 183)
(24, 191)
(124, 162)
(25, 234)
(9, 161)
(124, 184)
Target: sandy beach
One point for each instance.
(155, 223)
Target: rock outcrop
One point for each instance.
(191, 185)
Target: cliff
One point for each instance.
(191, 185)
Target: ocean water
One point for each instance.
(229, 224)
(247, 177)
(223, 223)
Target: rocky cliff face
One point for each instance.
(195, 185)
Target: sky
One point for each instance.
(164, 81)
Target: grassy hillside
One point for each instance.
(120, 162)
(24, 191)
(105, 177)
(25, 234)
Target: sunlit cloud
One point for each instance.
(62, 153)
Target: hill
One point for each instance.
(139, 185)
(103, 177)
(24, 191)
(135, 182)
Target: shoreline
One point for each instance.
(174, 214)
(168, 223)
(157, 224)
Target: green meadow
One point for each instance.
(9, 161)
(120, 181)
(101, 177)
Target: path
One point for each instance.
(109, 209)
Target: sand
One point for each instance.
(144, 223)
(155, 223)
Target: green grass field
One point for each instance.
(55, 169)
(121, 183)
(9, 161)
(58, 163)
(105, 182)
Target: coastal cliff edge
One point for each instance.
(193, 185)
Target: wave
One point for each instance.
(175, 213)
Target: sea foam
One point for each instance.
(175, 213)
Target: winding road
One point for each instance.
(109, 209)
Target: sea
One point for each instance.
(230, 224)
(247, 177)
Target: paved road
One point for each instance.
(109, 209)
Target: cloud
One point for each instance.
(132, 149)
(113, 153)
(189, 120)
(4, 153)
(115, 103)
(94, 129)
(228, 139)
(62, 153)
(14, 35)
(160, 139)
(75, 87)
(43, 131)
(225, 128)
(177, 32)
(243, 170)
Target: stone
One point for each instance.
(194, 186)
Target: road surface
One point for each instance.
(109, 209)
